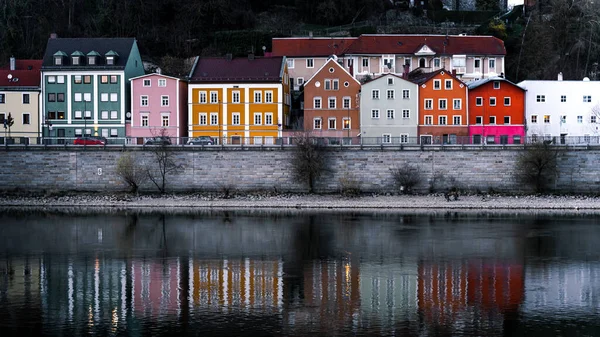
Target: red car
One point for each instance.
(90, 141)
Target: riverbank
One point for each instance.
(303, 201)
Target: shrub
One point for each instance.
(349, 186)
(406, 178)
(536, 166)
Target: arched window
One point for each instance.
(421, 63)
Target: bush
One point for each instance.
(130, 171)
(308, 160)
(349, 186)
(406, 178)
(536, 166)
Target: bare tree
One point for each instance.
(131, 171)
(163, 163)
(406, 178)
(308, 160)
(536, 166)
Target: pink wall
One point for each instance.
(497, 131)
(176, 109)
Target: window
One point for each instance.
(51, 79)
(492, 101)
(103, 79)
(586, 138)
(235, 118)
(235, 97)
(317, 102)
(587, 99)
(386, 138)
(78, 97)
(579, 119)
(506, 101)
(331, 102)
(165, 120)
(77, 79)
(104, 115)
(78, 114)
(143, 100)
(110, 60)
(540, 98)
(60, 114)
(147, 82)
(593, 119)
(214, 118)
(164, 100)
(60, 79)
(317, 123)
(390, 80)
(428, 120)
(331, 125)
(346, 123)
(456, 120)
(442, 104)
(162, 82)
(563, 98)
(428, 104)
(546, 119)
(258, 97)
(456, 104)
(477, 64)
(336, 84)
(113, 79)
(391, 93)
(346, 102)
(327, 84)
(310, 63)
(25, 98)
(496, 84)
(563, 119)
(268, 118)
(113, 114)
(516, 139)
(492, 119)
(214, 97)
(144, 121)
(405, 113)
(479, 101)
(492, 65)
(375, 114)
(87, 79)
(114, 97)
(478, 120)
(26, 118)
(437, 84)
(448, 84)
(268, 97)
(202, 118)
(290, 63)
(436, 62)
(257, 118)
(300, 81)
(534, 119)
(405, 93)
(375, 94)
(58, 60)
(407, 62)
(365, 62)
(51, 98)
(506, 120)
(442, 120)
(390, 114)
(78, 132)
(60, 97)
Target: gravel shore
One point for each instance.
(297, 201)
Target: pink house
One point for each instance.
(157, 102)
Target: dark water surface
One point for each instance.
(254, 273)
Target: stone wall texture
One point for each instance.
(269, 169)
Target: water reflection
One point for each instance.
(299, 274)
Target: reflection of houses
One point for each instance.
(155, 287)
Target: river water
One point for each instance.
(298, 273)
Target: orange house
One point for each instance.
(239, 100)
(442, 108)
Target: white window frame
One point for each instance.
(269, 96)
(300, 81)
(214, 118)
(390, 81)
(329, 122)
(375, 94)
(405, 113)
(478, 101)
(496, 85)
(257, 96)
(454, 118)
(268, 118)
(235, 118)
(346, 123)
(405, 93)
(534, 119)
(104, 114)
(165, 120)
(104, 97)
(505, 100)
(386, 138)
(290, 63)
(492, 120)
(390, 113)
(164, 100)
(437, 84)
(202, 97)
(392, 92)
(442, 120)
(446, 84)
(144, 118)
(445, 103)
(478, 120)
(563, 98)
(317, 103)
(144, 100)
(492, 64)
(540, 98)
(113, 114)
(331, 100)
(257, 118)
(203, 118)
(404, 138)
(456, 106)
(346, 100)
(214, 97)
(162, 82)
(235, 96)
(114, 97)
(78, 114)
(60, 79)
(492, 101)
(78, 97)
(317, 123)
(310, 63)
(147, 82)
(375, 114)
(428, 104)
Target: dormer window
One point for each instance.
(58, 58)
(111, 58)
(92, 57)
(76, 58)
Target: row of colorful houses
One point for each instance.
(374, 89)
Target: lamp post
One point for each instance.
(219, 122)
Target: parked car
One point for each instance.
(202, 140)
(160, 140)
(90, 140)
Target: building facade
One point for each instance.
(389, 111)
(239, 100)
(158, 103)
(19, 98)
(85, 87)
(496, 112)
(565, 112)
(331, 104)
(442, 109)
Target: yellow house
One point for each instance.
(239, 100)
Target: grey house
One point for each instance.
(389, 111)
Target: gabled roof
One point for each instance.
(236, 70)
(386, 75)
(475, 84)
(103, 46)
(154, 74)
(318, 46)
(424, 77)
(329, 63)
(22, 77)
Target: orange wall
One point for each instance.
(457, 92)
(516, 110)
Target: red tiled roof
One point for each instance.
(24, 65)
(389, 44)
(318, 46)
(213, 70)
(23, 76)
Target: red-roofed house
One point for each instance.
(19, 97)
(472, 57)
(237, 100)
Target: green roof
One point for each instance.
(112, 53)
(77, 53)
(93, 53)
(60, 53)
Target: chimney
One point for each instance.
(53, 36)
(454, 72)
(228, 56)
(405, 69)
(13, 63)
(250, 56)
(560, 76)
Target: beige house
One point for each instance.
(19, 98)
